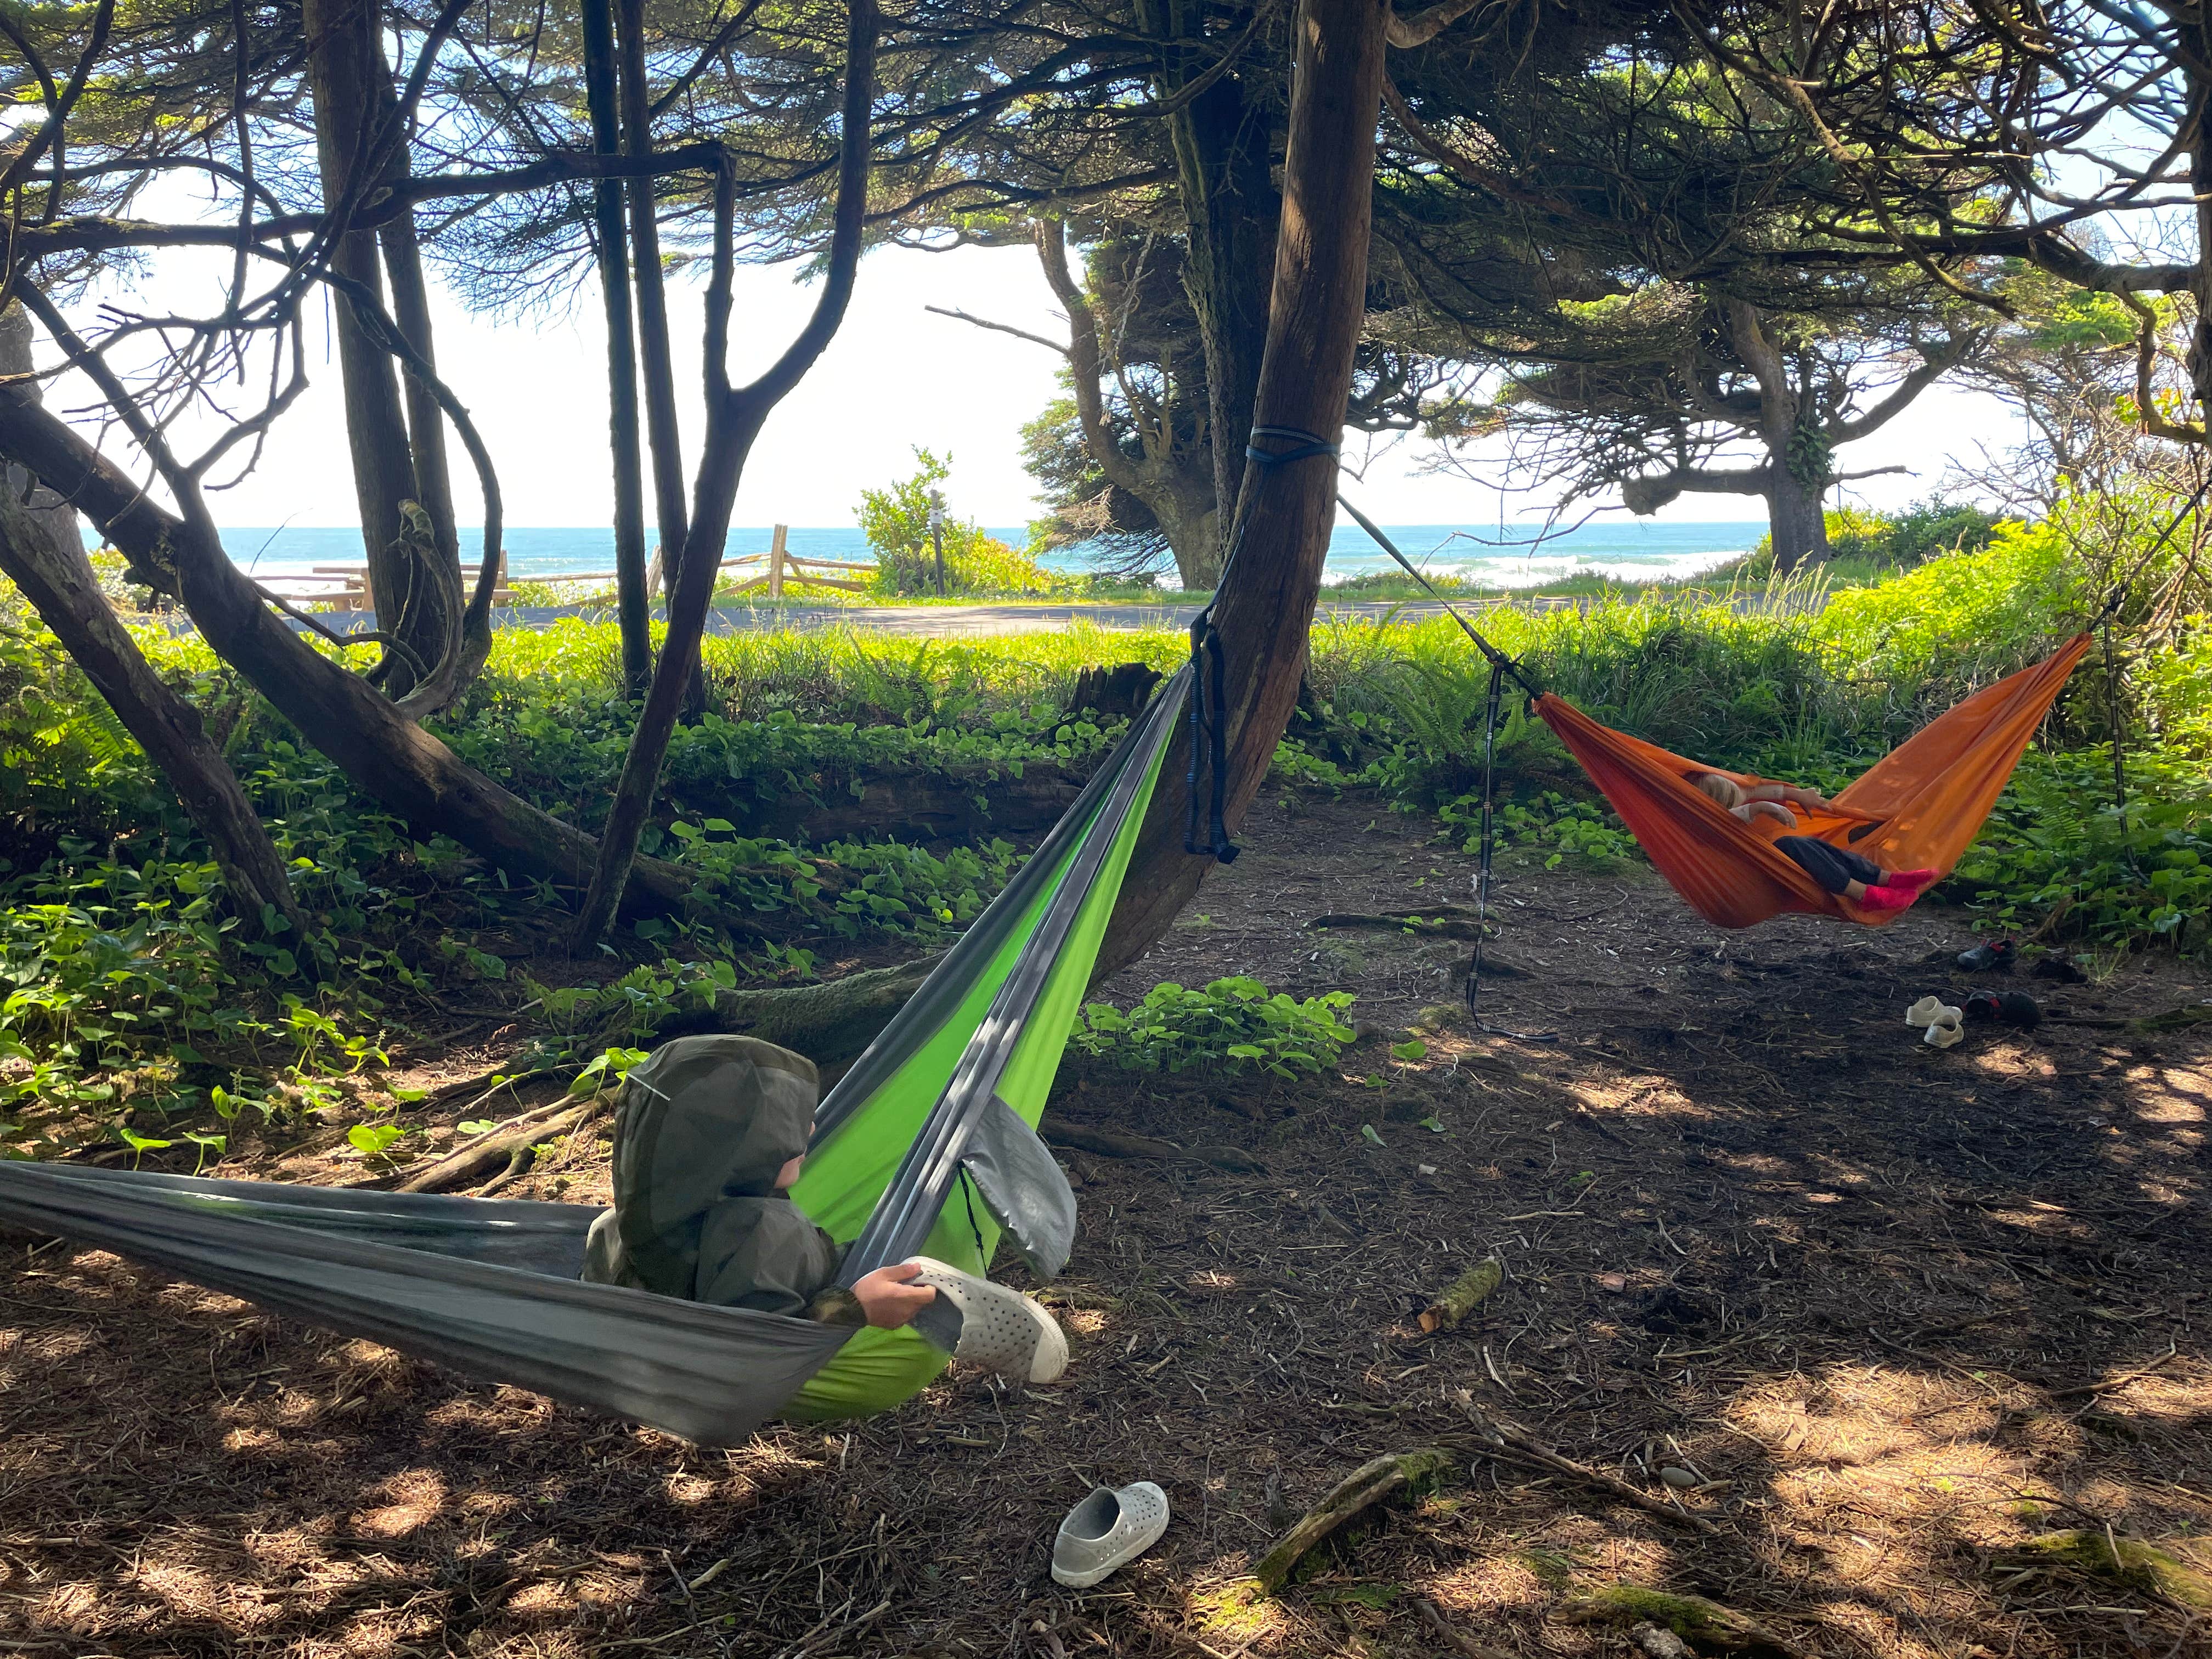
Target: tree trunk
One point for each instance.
(345, 69)
(633, 605)
(61, 585)
(383, 753)
(1224, 174)
(1264, 610)
(663, 433)
(53, 518)
(1795, 519)
(734, 418)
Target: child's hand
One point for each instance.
(889, 1299)
(1772, 809)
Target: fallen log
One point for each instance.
(1460, 1297)
(500, 1145)
(1371, 1482)
(1691, 1618)
(2128, 1561)
(830, 1023)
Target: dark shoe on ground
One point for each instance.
(2059, 968)
(1995, 956)
(1979, 1007)
(2017, 1008)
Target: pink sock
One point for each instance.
(1912, 880)
(1888, 898)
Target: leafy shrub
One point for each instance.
(2059, 856)
(1232, 1026)
(897, 523)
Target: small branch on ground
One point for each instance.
(1460, 1297)
(1371, 1482)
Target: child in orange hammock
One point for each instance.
(1838, 869)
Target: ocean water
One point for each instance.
(1509, 557)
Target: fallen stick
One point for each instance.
(462, 1166)
(1108, 1144)
(1458, 1641)
(2120, 1381)
(1370, 1484)
(1497, 1432)
(1460, 1297)
(1680, 1615)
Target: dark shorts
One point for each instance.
(1833, 867)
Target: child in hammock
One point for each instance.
(710, 1137)
(1838, 869)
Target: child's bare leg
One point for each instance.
(1855, 890)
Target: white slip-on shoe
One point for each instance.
(1000, 1328)
(1108, 1531)
(1945, 1029)
(1924, 1011)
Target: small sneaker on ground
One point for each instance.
(1000, 1329)
(1946, 1030)
(1924, 1012)
(1108, 1531)
(1996, 957)
(2060, 969)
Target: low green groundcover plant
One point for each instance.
(1231, 1026)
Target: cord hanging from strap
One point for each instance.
(1209, 689)
(1482, 867)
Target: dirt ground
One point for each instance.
(1887, 1314)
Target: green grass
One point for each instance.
(132, 1008)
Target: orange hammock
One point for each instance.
(1917, 808)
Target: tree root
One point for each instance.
(1108, 1143)
(1370, 1484)
(1690, 1618)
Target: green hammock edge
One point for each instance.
(878, 1370)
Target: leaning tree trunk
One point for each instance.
(346, 71)
(633, 605)
(61, 585)
(383, 753)
(1265, 610)
(1795, 519)
(735, 416)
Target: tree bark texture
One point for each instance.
(664, 436)
(383, 753)
(1795, 519)
(1183, 504)
(61, 585)
(1224, 177)
(735, 416)
(345, 71)
(633, 605)
(52, 519)
(1265, 610)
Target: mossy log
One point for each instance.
(2137, 1564)
(1693, 1618)
(1371, 1482)
(1460, 1297)
(830, 1024)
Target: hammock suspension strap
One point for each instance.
(1209, 669)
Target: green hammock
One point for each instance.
(927, 1145)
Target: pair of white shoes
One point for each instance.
(1014, 1335)
(1942, 1024)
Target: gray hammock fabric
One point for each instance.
(490, 1287)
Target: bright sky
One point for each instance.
(895, 377)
